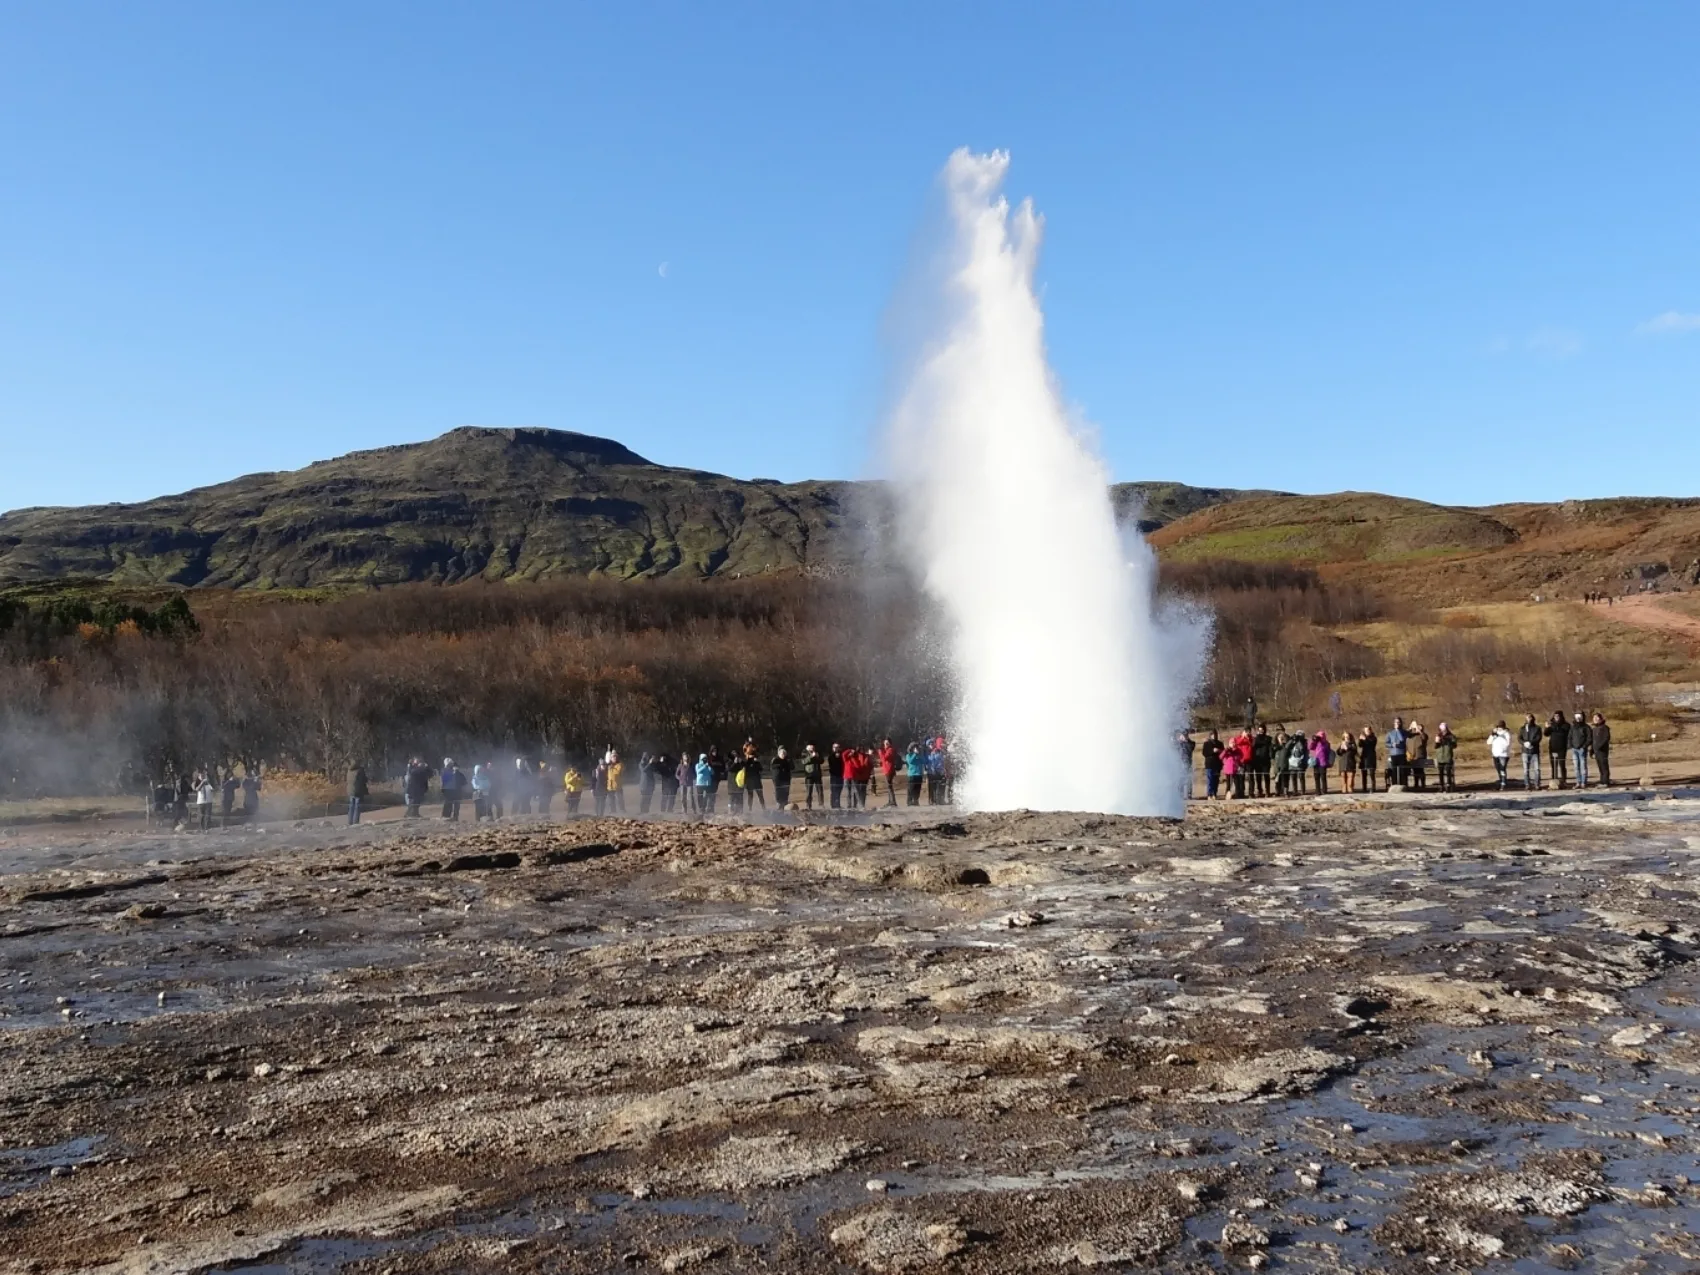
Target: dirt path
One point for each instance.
(1648, 611)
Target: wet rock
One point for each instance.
(1635, 1037)
(1238, 1235)
(886, 1239)
(1024, 920)
(144, 911)
(1282, 1072)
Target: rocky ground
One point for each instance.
(1344, 1038)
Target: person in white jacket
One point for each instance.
(204, 792)
(1499, 748)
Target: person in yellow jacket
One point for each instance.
(572, 783)
(616, 796)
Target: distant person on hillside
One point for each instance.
(1529, 744)
(781, 768)
(1601, 737)
(1499, 748)
(501, 787)
(1397, 767)
(599, 785)
(358, 791)
(1211, 751)
(1185, 746)
(1581, 747)
(1445, 758)
(705, 784)
(1250, 712)
(1321, 759)
(1278, 760)
(251, 795)
(1366, 759)
(1349, 762)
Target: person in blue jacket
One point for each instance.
(914, 769)
(706, 784)
(1395, 741)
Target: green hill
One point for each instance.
(474, 503)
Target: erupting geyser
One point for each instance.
(1071, 681)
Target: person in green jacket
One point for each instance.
(358, 791)
(1445, 752)
(812, 766)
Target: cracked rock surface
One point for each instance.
(1324, 1038)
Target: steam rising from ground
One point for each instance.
(1071, 679)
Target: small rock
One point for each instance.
(263, 1070)
(685, 1258)
(216, 1073)
(1024, 920)
(1244, 1235)
(1257, 1261)
(162, 998)
(1593, 1099)
(1634, 1037)
(1481, 1058)
(642, 1191)
(1342, 1225)
(878, 1186)
(1189, 1189)
(144, 911)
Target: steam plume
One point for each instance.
(1071, 682)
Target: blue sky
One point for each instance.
(1445, 250)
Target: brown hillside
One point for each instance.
(1444, 555)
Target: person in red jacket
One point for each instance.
(1241, 747)
(888, 771)
(864, 770)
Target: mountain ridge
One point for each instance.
(475, 502)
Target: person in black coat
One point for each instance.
(1211, 751)
(1601, 733)
(1558, 747)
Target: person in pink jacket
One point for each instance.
(1321, 758)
